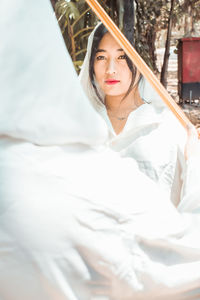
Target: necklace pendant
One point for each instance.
(121, 118)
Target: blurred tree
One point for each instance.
(188, 12)
(149, 19)
(163, 76)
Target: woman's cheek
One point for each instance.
(97, 69)
(99, 74)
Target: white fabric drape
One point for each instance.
(152, 135)
(37, 82)
(73, 223)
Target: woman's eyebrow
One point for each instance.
(102, 50)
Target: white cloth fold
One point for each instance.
(40, 101)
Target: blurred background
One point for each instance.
(166, 34)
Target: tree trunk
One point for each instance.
(163, 77)
(151, 40)
(128, 20)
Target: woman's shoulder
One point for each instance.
(148, 94)
(160, 111)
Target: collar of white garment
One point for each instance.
(142, 117)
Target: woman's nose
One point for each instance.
(111, 67)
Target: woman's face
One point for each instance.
(110, 67)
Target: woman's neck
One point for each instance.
(119, 108)
(121, 104)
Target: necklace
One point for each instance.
(119, 118)
(125, 112)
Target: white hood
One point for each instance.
(36, 82)
(147, 92)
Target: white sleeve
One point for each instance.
(190, 201)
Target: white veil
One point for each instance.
(77, 222)
(85, 79)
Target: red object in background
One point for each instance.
(189, 68)
(191, 59)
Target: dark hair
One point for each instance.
(98, 35)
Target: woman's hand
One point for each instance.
(192, 147)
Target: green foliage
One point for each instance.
(76, 22)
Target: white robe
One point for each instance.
(152, 135)
(73, 223)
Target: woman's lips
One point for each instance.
(112, 81)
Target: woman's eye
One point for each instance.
(122, 56)
(100, 57)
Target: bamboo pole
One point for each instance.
(138, 61)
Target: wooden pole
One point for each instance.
(138, 61)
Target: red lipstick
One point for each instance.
(112, 81)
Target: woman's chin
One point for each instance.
(114, 94)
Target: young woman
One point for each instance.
(139, 124)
